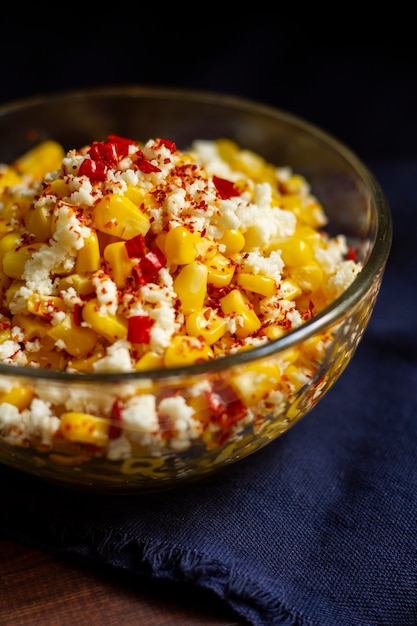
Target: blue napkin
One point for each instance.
(317, 529)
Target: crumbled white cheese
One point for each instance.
(271, 265)
(117, 358)
(344, 276)
(139, 414)
(106, 290)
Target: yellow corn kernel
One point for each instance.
(319, 300)
(308, 212)
(8, 243)
(32, 327)
(59, 188)
(309, 277)
(111, 327)
(119, 216)
(77, 340)
(309, 234)
(5, 282)
(190, 285)
(180, 245)
(160, 241)
(254, 383)
(185, 350)
(86, 364)
(48, 359)
(43, 158)
(199, 405)
(253, 239)
(289, 289)
(249, 163)
(257, 283)
(45, 306)
(120, 265)
(296, 252)
(85, 428)
(290, 202)
(135, 194)
(14, 206)
(38, 221)
(14, 261)
(293, 375)
(312, 349)
(220, 270)
(5, 226)
(236, 304)
(82, 284)
(149, 361)
(206, 248)
(233, 240)
(9, 177)
(313, 214)
(206, 323)
(295, 184)
(11, 291)
(88, 257)
(20, 397)
(274, 331)
(5, 330)
(227, 149)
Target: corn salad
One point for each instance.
(125, 256)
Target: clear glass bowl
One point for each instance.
(355, 206)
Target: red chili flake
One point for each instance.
(149, 265)
(226, 407)
(116, 416)
(307, 314)
(225, 188)
(93, 170)
(147, 167)
(139, 329)
(351, 255)
(77, 314)
(135, 247)
(168, 144)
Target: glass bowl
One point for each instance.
(256, 394)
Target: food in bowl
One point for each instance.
(144, 261)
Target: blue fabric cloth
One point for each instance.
(317, 529)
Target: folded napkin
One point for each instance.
(317, 529)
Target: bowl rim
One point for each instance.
(374, 264)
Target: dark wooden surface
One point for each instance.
(39, 589)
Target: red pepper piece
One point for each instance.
(121, 144)
(116, 416)
(149, 265)
(168, 144)
(139, 329)
(77, 314)
(93, 170)
(351, 255)
(104, 152)
(225, 188)
(226, 407)
(135, 247)
(147, 167)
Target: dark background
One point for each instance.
(349, 77)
